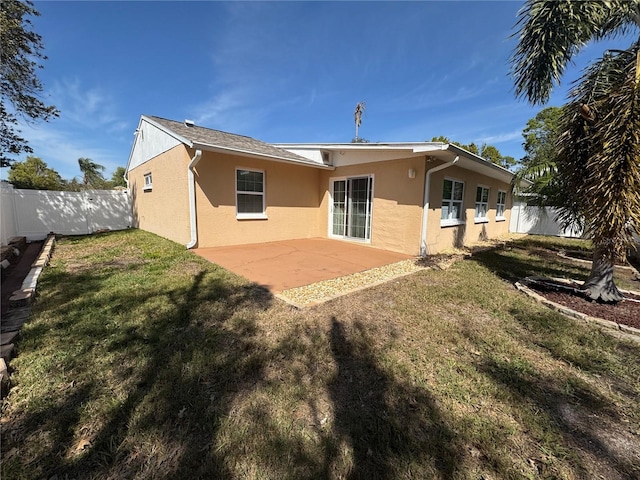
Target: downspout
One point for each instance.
(425, 210)
(192, 199)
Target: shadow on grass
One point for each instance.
(513, 264)
(160, 398)
(564, 414)
(367, 423)
(385, 421)
(573, 410)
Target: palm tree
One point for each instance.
(357, 115)
(598, 148)
(91, 173)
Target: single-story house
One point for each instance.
(207, 188)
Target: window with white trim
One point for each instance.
(452, 194)
(250, 193)
(501, 204)
(482, 204)
(148, 182)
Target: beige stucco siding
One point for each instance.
(163, 210)
(292, 201)
(297, 200)
(397, 202)
(441, 238)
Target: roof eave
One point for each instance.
(477, 158)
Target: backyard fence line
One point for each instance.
(538, 221)
(36, 213)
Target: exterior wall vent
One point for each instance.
(326, 157)
(189, 123)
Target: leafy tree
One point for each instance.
(491, 153)
(488, 152)
(91, 173)
(539, 163)
(20, 51)
(598, 157)
(34, 174)
(540, 136)
(117, 178)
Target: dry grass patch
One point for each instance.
(174, 368)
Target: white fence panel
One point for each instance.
(40, 212)
(8, 228)
(529, 219)
(108, 209)
(36, 213)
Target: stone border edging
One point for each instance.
(28, 291)
(569, 312)
(25, 296)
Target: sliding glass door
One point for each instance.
(351, 207)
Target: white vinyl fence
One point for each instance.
(36, 213)
(528, 219)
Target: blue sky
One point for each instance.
(280, 72)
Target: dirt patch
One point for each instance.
(116, 263)
(626, 312)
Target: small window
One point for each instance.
(482, 204)
(500, 206)
(451, 213)
(148, 182)
(250, 194)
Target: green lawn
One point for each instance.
(145, 361)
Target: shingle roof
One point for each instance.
(230, 141)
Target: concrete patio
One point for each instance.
(288, 264)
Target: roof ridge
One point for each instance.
(195, 125)
(197, 135)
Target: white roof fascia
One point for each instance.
(413, 147)
(478, 159)
(133, 147)
(416, 147)
(430, 148)
(244, 153)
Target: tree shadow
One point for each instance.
(550, 330)
(512, 268)
(575, 411)
(567, 405)
(384, 420)
(363, 422)
(155, 396)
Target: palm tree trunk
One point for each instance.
(600, 285)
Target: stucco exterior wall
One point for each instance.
(163, 210)
(297, 202)
(292, 201)
(396, 214)
(440, 238)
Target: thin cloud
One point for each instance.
(61, 151)
(501, 137)
(91, 107)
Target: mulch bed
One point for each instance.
(626, 312)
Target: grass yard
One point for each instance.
(144, 361)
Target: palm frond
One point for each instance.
(599, 159)
(551, 33)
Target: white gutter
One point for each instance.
(425, 210)
(192, 199)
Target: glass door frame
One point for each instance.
(369, 220)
